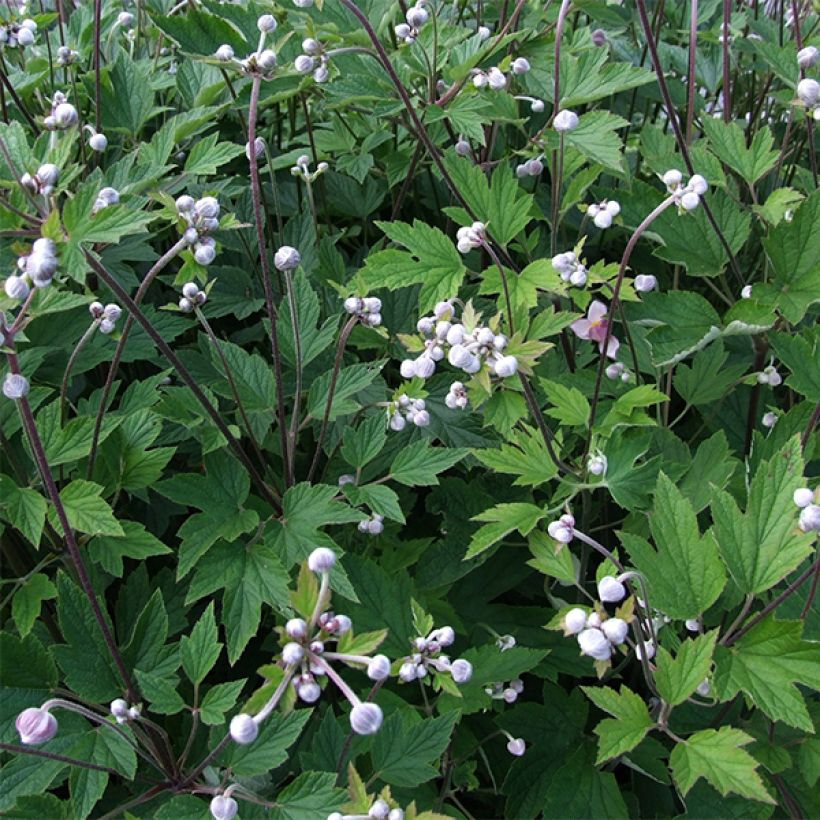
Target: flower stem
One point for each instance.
(69, 367)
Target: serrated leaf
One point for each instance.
(632, 720)
(420, 463)
(552, 561)
(502, 520)
(362, 444)
(208, 155)
(678, 677)
(728, 141)
(86, 510)
(23, 508)
(523, 455)
(135, 542)
(269, 750)
(201, 648)
(28, 600)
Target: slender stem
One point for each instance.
(186, 376)
(559, 34)
(727, 77)
(70, 366)
(97, 58)
(815, 417)
(297, 351)
(143, 798)
(28, 750)
(691, 81)
(152, 274)
(741, 616)
(276, 696)
(17, 212)
(349, 694)
(17, 101)
(256, 196)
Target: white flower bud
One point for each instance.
(421, 419)
(225, 53)
(689, 201)
(379, 810)
(599, 37)
(35, 726)
(304, 64)
(575, 621)
(106, 326)
(186, 203)
(297, 629)
(808, 91)
(15, 386)
(65, 115)
(397, 422)
(509, 695)
(537, 106)
(378, 668)
(311, 46)
(704, 688)
(520, 65)
(672, 178)
(287, 258)
(343, 624)
(407, 368)
(461, 670)
(610, 590)
(125, 19)
(416, 16)
(769, 419)
(366, 718)
(25, 37)
(321, 559)
(443, 310)
(807, 57)
(603, 220)
(292, 653)
(16, 287)
(119, 709)
(485, 337)
(803, 497)
(459, 356)
(594, 643)
(645, 283)
(48, 174)
(204, 254)
(506, 366)
(308, 690)
(615, 630)
(698, 184)
(463, 147)
(534, 167)
(516, 746)
(403, 31)
(809, 515)
(266, 60)
(243, 729)
(496, 79)
(266, 23)
(407, 672)
(565, 121)
(692, 624)
(223, 808)
(375, 527)
(186, 305)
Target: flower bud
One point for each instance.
(599, 37)
(496, 79)
(321, 559)
(366, 718)
(672, 178)
(560, 532)
(259, 148)
(593, 620)
(807, 57)
(416, 16)
(689, 201)
(287, 258)
(803, 497)
(224, 53)
(186, 305)
(186, 203)
(304, 64)
(509, 695)
(223, 808)
(461, 670)
(421, 419)
(650, 650)
(603, 220)
(597, 464)
(119, 709)
(343, 624)
(692, 624)
(36, 726)
(407, 672)
(575, 621)
(308, 690)
(379, 810)
(205, 208)
(48, 174)
(15, 386)
(408, 368)
(397, 422)
(698, 184)
(125, 19)
(565, 121)
(610, 590)
(459, 356)
(808, 91)
(615, 630)
(243, 729)
(65, 115)
(25, 37)
(516, 746)
(769, 419)
(292, 653)
(520, 65)
(506, 366)
(645, 282)
(424, 367)
(266, 23)
(111, 196)
(266, 60)
(809, 515)
(462, 147)
(537, 106)
(593, 643)
(204, 254)
(107, 326)
(16, 287)
(378, 668)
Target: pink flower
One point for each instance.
(595, 327)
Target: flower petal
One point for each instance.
(580, 327)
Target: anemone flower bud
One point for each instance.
(809, 516)
(698, 184)
(119, 709)
(297, 629)
(379, 810)
(803, 497)
(366, 718)
(808, 91)
(445, 636)
(397, 422)
(496, 79)
(650, 650)
(287, 258)
(807, 57)
(615, 630)
(408, 368)
(48, 174)
(520, 65)
(421, 418)
(611, 590)
(407, 672)
(266, 23)
(565, 121)
(243, 729)
(321, 559)
(416, 16)
(185, 204)
(672, 178)
(462, 147)
(594, 643)
(304, 64)
(516, 746)
(224, 53)
(266, 60)
(461, 670)
(599, 37)
(645, 282)
(65, 115)
(308, 690)
(205, 208)
(223, 808)
(204, 254)
(16, 287)
(292, 653)
(689, 201)
(575, 621)
(25, 37)
(15, 386)
(36, 726)
(506, 366)
(459, 356)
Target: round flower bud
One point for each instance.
(125, 19)
(304, 64)
(223, 808)
(308, 690)
(259, 148)
(596, 465)
(266, 23)
(402, 31)
(650, 650)
(48, 174)
(593, 643)
(366, 718)
(459, 356)
(516, 746)
(16, 287)
(445, 636)
(397, 422)
(186, 305)
(266, 60)
(206, 208)
(809, 515)
(416, 16)
(186, 203)
(520, 65)
(463, 147)
(321, 559)
(689, 201)
(311, 46)
(692, 624)
(35, 726)
(645, 282)
(461, 670)
(769, 419)
(509, 695)
(603, 220)
(204, 254)
(496, 79)
(407, 368)
(292, 653)
(110, 196)
(424, 367)
(704, 688)
(107, 326)
(807, 57)
(615, 630)
(421, 419)
(65, 115)
(575, 621)
(375, 527)
(803, 497)
(190, 290)
(565, 121)
(407, 672)
(225, 53)
(599, 37)
(808, 91)
(297, 629)
(506, 366)
(15, 386)
(119, 709)
(379, 810)
(746, 292)
(378, 668)
(672, 178)
(610, 590)
(25, 37)
(537, 106)
(534, 167)
(698, 184)
(287, 258)
(243, 729)
(560, 532)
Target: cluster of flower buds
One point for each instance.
(263, 60)
(565, 120)
(96, 141)
(19, 35)
(686, 196)
(43, 181)
(570, 268)
(770, 376)
(63, 114)
(314, 59)
(105, 315)
(36, 725)
(380, 810)
(536, 106)
(192, 297)
(809, 504)
(531, 168)
(808, 57)
(456, 398)
(36, 270)
(597, 464)
(808, 92)
(122, 712)
(604, 212)
(416, 17)
(405, 409)
(596, 636)
(618, 370)
(427, 656)
(105, 198)
(202, 216)
(470, 237)
(66, 56)
(493, 78)
(508, 692)
(302, 169)
(373, 525)
(562, 530)
(15, 387)
(366, 308)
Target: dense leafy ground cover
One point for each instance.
(409, 411)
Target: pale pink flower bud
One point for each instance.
(287, 258)
(461, 670)
(575, 621)
(615, 629)
(321, 559)
(610, 590)
(223, 808)
(565, 121)
(15, 387)
(516, 746)
(645, 282)
(36, 726)
(803, 497)
(593, 643)
(243, 729)
(366, 718)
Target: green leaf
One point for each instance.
(799, 352)
(201, 648)
(127, 99)
(711, 469)
(719, 757)
(420, 463)
(218, 700)
(707, 378)
(763, 545)
(596, 139)
(310, 796)
(550, 558)
(208, 156)
(23, 508)
(148, 635)
(351, 380)
(403, 754)
(778, 203)
(269, 750)
(632, 720)
(728, 141)
(684, 572)
(160, 692)
(380, 499)
(431, 259)
(765, 664)
(570, 405)
(589, 77)
(28, 600)
(523, 455)
(502, 520)
(199, 32)
(362, 445)
(86, 510)
(678, 677)
(136, 543)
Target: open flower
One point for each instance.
(595, 328)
